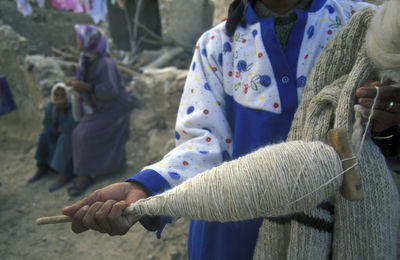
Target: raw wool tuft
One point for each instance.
(382, 44)
(383, 41)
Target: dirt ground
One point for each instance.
(21, 204)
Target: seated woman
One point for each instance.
(54, 148)
(99, 139)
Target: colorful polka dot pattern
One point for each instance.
(240, 67)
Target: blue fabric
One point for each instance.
(54, 146)
(156, 184)
(151, 180)
(265, 127)
(7, 103)
(225, 241)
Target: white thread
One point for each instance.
(326, 183)
(371, 114)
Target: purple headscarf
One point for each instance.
(93, 43)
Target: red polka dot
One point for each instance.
(197, 47)
(306, 57)
(208, 139)
(205, 111)
(192, 90)
(230, 73)
(244, 40)
(184, 132)
(214, 69)
(260, 54)
(330, 32)
(228, 140)
(212, 37)
(353, 11)
(185, 163)
(276, 105)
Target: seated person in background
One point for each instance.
(98, 142)
(54, 147)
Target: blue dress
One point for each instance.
(54, 146)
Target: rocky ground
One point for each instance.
(22, 203)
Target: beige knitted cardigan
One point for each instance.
(365, 229)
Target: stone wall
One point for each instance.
(185, 20)
(221, 10)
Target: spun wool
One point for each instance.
(365, 229)
(76, 106)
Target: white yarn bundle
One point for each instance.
(80, 105)
(251, 186)
(383, 41)
(76, 106)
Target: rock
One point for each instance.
(46, 28)
(46, 71)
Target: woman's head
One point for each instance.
(60, 95)
(90, 40)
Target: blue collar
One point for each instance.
(252, 18)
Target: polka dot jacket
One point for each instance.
(241, 92)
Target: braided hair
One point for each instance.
(235, 15)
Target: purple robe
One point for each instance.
(98, 141)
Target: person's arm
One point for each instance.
(203, 134)
(107, 80)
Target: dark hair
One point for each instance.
(235, 16)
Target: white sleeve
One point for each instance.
(203, 134)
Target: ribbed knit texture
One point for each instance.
(365, 229)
